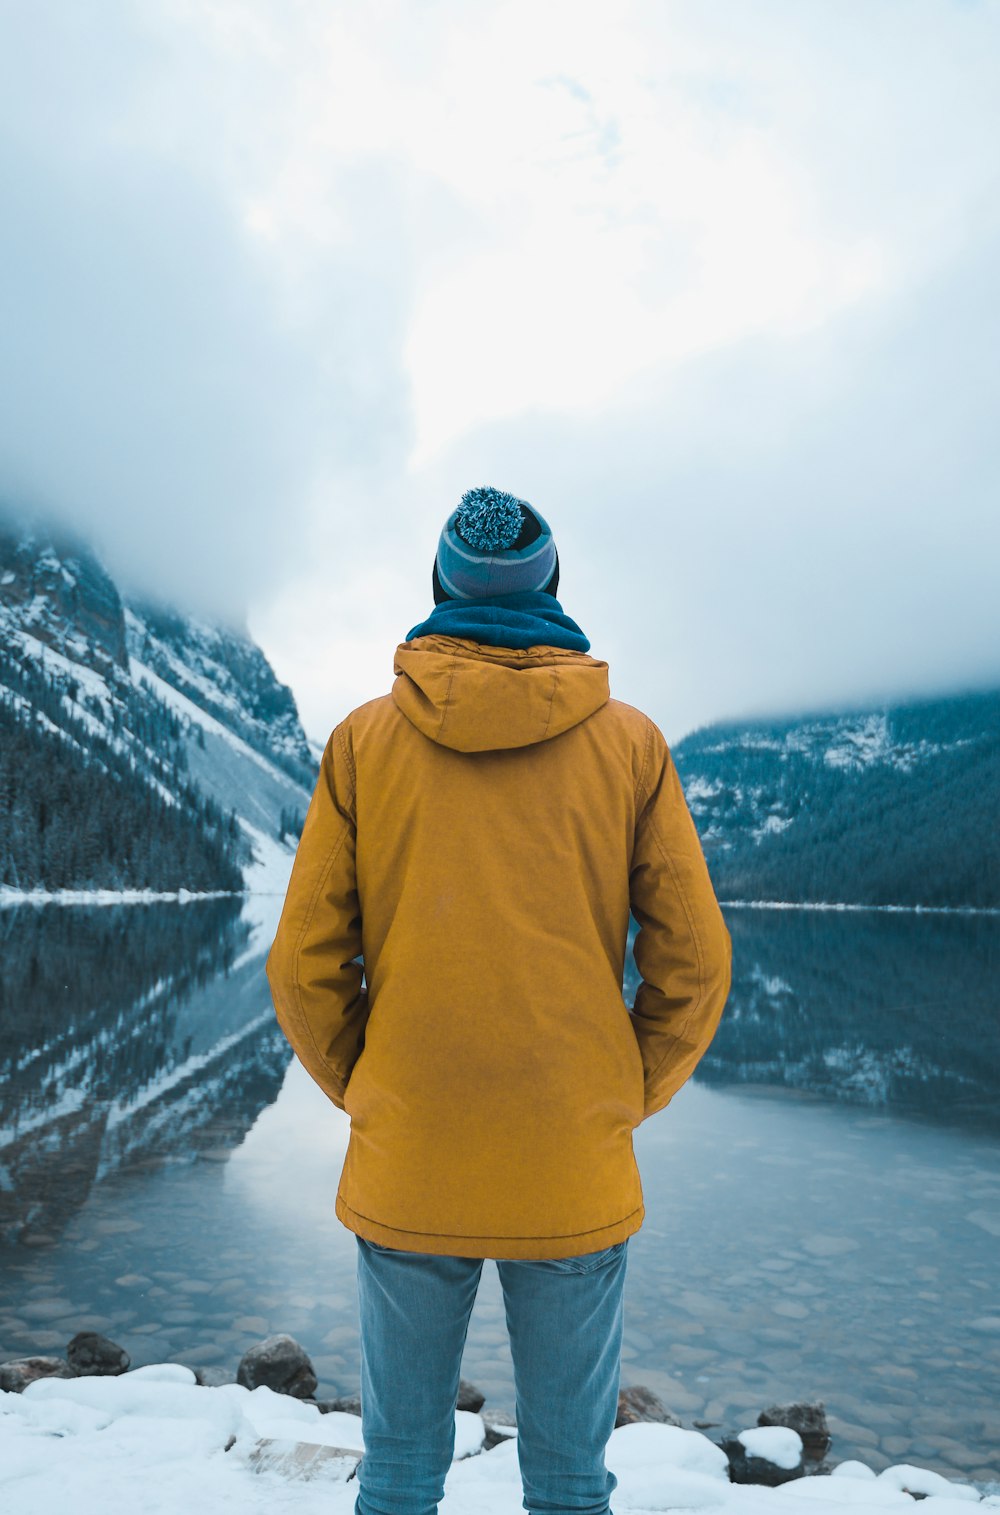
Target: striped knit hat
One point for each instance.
(492, 544)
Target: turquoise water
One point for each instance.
(822, 1199)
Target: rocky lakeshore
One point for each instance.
(293, 1433)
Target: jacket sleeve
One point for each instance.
(683, 950)
(316, 984)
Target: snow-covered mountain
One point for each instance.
(894, 805)
(144, 748)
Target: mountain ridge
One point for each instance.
(893, 804)
(142, 747)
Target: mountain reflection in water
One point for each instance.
(127, 1034)
(131, 1034)
(895, 1011)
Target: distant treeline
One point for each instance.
(878, 834)
(76, 810)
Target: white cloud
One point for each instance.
(282, 281)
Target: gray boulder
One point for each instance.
(469, 1397)
(280, 1363)
(16, 1374)
(810, 1422)
(348, 1404)
(640, 1403)
(91, 1355)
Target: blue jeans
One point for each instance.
(564, 1320)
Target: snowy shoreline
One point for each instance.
(843, 905)
(110, 1421)
(10, 896)
(233, 1449)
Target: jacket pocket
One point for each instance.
(351, 1087)
(587, 1262)
(638, 1078)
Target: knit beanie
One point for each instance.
(494, 544)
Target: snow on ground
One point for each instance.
(268, 874)
(272, 864)
(841, 905)
(152, 1440)
(10, 896)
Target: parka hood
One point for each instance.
(476, 698)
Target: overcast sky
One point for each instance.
(713, 283)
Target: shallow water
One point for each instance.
(822, 1199)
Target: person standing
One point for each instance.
(448, 967)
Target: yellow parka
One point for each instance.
(449, 959)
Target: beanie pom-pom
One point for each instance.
(489, 520)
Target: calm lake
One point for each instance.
(822, 1199)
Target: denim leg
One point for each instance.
(565, 1319)
(414, 1312)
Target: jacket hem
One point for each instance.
(574, 1244)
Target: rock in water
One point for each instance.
(640, 1403)
(94, 1356)
(810, 1422)
(281, 1364)
(16, 1374)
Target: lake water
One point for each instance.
(822, 1199)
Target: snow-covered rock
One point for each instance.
(903, 1475)
(843, 1491)
(852, 1469)
(164, 1372)
(775, 1444)
(662, 1467)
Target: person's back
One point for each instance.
(475, 843)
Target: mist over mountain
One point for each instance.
(145, 748)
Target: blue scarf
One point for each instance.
(530, 619)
